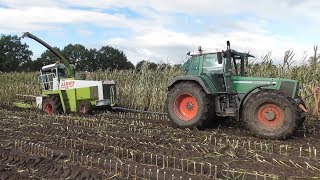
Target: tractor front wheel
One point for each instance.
(52, 105)
(270, 114)
(188, 105)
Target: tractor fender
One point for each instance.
(196, 79)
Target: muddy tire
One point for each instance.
(301, 121)
(188, 105)
(270, 114)
(52, 105)
(85, 107)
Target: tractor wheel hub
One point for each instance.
(270, 115)
(185, 106)
(190, 106)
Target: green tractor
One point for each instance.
(216, 85)
(63, 93)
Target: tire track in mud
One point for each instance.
(39, 167)
(143, 137)
(53, 132)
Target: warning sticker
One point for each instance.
(67, 84)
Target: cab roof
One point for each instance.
(234, 53)
(55, 65)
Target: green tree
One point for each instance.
(29, 65)
(46, 58)
(111, 58)
(14, 56)
(78, 55)
(151, 65)
(91, 64)
(89, 61)
(86, 59)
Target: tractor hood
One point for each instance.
(245, 84)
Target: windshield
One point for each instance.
(61, 73)
(239, 65)
(234, 66)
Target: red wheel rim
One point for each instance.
(185, 107)
(270, 115)
(48, 109)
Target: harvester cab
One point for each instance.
(50, 75)
(61, 92)
(216, 85)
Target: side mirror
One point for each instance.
(219, 54)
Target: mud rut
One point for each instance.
(144, 146)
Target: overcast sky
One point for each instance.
(165, 30)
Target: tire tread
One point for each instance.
(284, 101)
(208, 110)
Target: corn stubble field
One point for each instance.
(145, 146)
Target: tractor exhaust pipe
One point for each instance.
(228, 69)
(228, 45)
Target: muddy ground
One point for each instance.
(144, 146)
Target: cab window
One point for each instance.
(211, 64)
(61, 73)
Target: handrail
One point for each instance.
(46, 80)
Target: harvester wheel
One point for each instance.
(85, 107)
(188, 105)
(52, 105)
(270, 114)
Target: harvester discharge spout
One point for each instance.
(63, 59)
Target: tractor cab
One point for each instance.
(217, 67)
(50, 75)
(215, 63)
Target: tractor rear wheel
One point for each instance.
(52, 105)
(188, 105)
(270, 114)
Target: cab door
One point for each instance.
(192, 65)
(212, 69)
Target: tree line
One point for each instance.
(16, 56)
